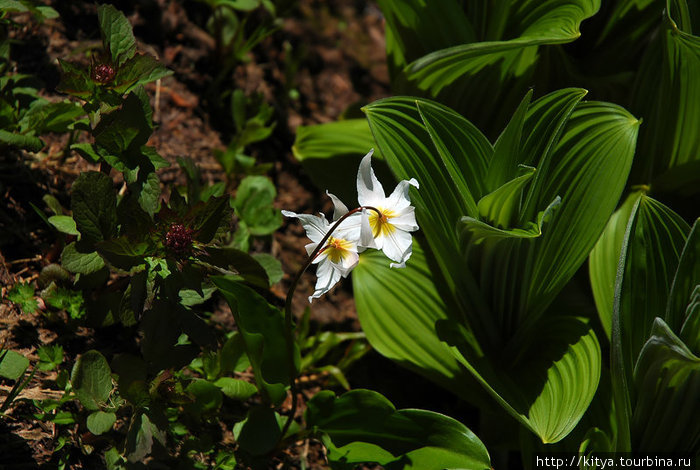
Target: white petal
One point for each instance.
(397, 246)
(327, 277)
(310, 248)
(316, 227)
(400, 199)
(369, 190)
(366, 235)
(406, 256)
(339, 209)
(406, 220)
(350, 229)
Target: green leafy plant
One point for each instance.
(642, 55)
(251, 118)
(652, 313)
(509, 216)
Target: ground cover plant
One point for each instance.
(525, 236)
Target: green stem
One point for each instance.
(289, 329)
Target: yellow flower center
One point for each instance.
(379, 222)
(338, 249)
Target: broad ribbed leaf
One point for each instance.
(463, 149)
(474, 232)
(667, 386)
(331, 151)
(588, 169)
(582, 152)
(651, 246)
(654, 244)
(666, 95)
(418, 27)
(604, 259)
(683, 298)
(398, 309)
(406, 144)
(549, 391)
(363, 426)
(473, 76)
(504, 163)
(501, 207)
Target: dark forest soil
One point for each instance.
(330, 52)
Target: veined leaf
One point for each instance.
(331, 151)
(91, 379)
(551, 389)
(116, 34)
(501, 207)
(667, 386)
(666, 86)
(362, 426)
(464, 151)
(94, 206)
(683, 297)
(653, 247)
(418, 27)
(471, 76)
(649, 255)
(588, 169)
(407, 146)
(498, 293)
(398, 310)
(604, 259)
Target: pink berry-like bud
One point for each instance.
(103, 73)
(179, 239)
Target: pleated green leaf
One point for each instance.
(363, 426)
(654, 242)
(501, 207)
(667, 386)
(506, 151)
(666, 93)
(402, 137)
(398, 310)
(551, 389)
(331, 151)
(463, 149)
(649, 255)
(536, 23)
(683, 297)
(417, 27)
(588, 169)
(604, 259)
(473, 232)
(498, 292)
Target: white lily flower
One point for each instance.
(340, 253)
(390, 227)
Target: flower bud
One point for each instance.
(179, 239)
(103, 73)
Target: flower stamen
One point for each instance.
(379, 222)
